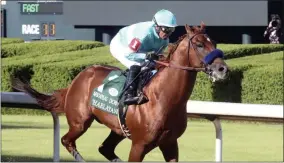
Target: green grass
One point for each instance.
(274, 58)
(30, 138)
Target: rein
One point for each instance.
(180, 67)
(171, 65)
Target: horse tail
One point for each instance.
(51, 103)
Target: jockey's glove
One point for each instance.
(152, 56)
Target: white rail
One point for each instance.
(22, 100)
(235, 109)
(213, 111)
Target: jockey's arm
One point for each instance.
(134, 46)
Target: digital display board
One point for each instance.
(33, 8)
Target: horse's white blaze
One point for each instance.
(208, 39)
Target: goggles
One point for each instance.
(167, 30)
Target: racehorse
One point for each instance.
(156, 123)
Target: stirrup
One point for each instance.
(142, 98)
(131, 100)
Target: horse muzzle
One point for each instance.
(215, 67)
(217, 72)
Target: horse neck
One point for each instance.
(174, 86)
(182, 79)
(177, 58)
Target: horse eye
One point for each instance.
(200, 45)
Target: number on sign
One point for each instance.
(134, 44)
(48, 29)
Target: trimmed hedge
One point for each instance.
(11, 40)
(263, 85)
(254, 79)
(257, 79)
(62, 53)
(248, 83)
(86, 57)
(53, 69)
(241, 50)
(102, 54)
(236, 51)
(8, 71)
(40, 48)
(48, 78)
(260, 85)
(257, 60)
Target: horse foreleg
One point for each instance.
(108, 146)
(170, 151)
(69, 139)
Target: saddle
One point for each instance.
(144, 77)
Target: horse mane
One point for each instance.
(173, 46)
(171, 49)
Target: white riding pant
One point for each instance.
(119, 52)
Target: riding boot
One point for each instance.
(131, 92)
(148, 65)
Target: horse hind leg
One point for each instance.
(75, 131)
(108, 146)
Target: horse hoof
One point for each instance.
(116, 160)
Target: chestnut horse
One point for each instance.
(156, 123)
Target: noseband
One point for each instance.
(205, 62)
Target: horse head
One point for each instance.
(196, 51)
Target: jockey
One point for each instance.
(137, 44)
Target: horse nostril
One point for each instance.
(221, 69)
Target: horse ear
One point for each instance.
(203, 26)
(188, 29)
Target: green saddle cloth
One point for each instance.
(106, 96)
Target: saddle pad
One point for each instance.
(105, 97)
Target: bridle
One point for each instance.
(190, 44)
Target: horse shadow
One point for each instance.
(5, 126)
(229, 90)
(12, 158)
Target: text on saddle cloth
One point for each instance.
(106, 97)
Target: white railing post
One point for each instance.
(219, 140)
(56, 137)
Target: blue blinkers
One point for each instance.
(213, 55)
